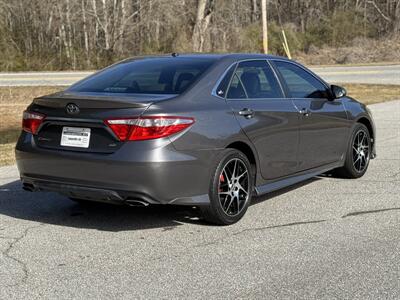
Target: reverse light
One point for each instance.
(31, 121)
(147, 128)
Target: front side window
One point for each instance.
(300, 83)
(146, 76)
(258, 80)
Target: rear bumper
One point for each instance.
(150, 171)
(106, 195)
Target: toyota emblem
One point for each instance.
(72, 109)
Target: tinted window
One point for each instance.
(236, 90)
(223, 85)
(147, 76)
(300, 83)
(258, 80)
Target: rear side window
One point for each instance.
(147, 76)
(258, 80)
(300, 83)
(236, 89)
(223, 85)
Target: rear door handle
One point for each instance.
(247, 113)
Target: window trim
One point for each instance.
(289, 94)
(214, 90)
(279, 79)
(241, 83)
(267, 61)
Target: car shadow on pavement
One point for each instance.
(51, 208)
(268, 196)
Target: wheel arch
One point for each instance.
(368, 124)
(247, 150)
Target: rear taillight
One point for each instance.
(147, 128)
(31, 121)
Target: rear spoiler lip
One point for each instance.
(60, 100)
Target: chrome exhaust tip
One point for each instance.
(28, 187)
(140, 203)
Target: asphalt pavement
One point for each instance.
(388, 74)
(326, 238)
(360, 74)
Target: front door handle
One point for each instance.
(247, 113)
(305, 112)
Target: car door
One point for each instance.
(268, 119)
(323, 121)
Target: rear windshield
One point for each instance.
(146, 76)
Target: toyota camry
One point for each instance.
(204, 130)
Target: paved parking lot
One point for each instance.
(325, 238)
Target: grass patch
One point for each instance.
(372, 93)
(7, 156)
(14, 100)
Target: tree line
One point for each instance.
(89, 34)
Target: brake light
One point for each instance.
(147, 128)
(31, 121)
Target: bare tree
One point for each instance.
(76, 34)
(203, 17)
(85, 33)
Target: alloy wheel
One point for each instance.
(233, 187)
(361, 151)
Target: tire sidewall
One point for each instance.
(215, 204)
(349, 156)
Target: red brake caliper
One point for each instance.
(221, 180)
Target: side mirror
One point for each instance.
(338, 91)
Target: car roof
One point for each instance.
(216, 56)
(229, 55)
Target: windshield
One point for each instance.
(146, 76)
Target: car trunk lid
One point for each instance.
(84, 129)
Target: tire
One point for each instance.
(229, 202)
(356, 161)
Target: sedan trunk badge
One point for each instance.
(72, 109)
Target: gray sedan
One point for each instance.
(201, 130)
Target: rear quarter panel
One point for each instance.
(215, 126)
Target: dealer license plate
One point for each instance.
(75, 137)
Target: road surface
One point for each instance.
(325, 238)
(362, 74)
